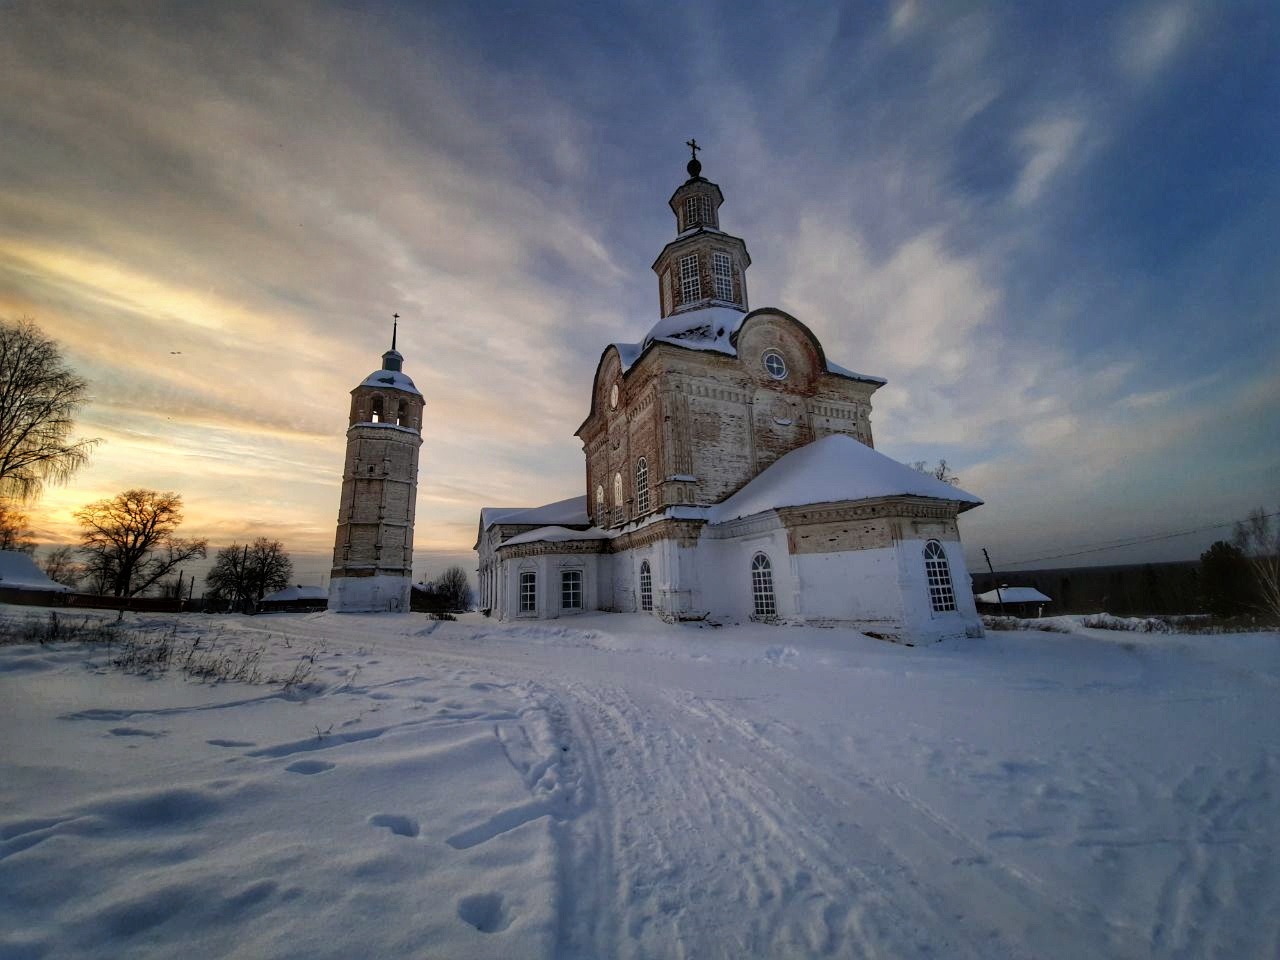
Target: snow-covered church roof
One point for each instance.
(829, 470)
(1013, 595)
(297, 592)
(562, 513)
(19, 571)
(556, 534)
(713, 329)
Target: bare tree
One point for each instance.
(243, 574)
(14, 534)
(60, 566)
(454, 587)
(39, 396)
(941, 472)
(1258, 538)
(129, 541)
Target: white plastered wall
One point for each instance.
(380, 594)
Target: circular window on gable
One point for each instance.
(774, 365)
(613, 396)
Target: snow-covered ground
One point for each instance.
(611, 786)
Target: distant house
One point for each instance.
(297, 599)
(18, 572)
(1016, 601)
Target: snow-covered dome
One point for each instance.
(391, 375)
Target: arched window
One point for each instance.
(642, 486)
(762, 587)
(646, 587)
(617, 498)
(602, 518)
(377, 410)
(941, 594)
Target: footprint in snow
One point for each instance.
(309, 767)
(397, 824)
(218, 742)
(485, 911)
(134, 732)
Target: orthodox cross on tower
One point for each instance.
(694, 166)
(395, 322)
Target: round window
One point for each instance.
(775, 365)
(613, 396)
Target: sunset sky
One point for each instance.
(1051, 227)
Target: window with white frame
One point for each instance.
(690, 281)
(774, 364)
(942, 595)
(762, 587)
(617, 497)
(722, 275)
(570, 589)
(528, 592)
(642, 486)
(697, 212)
(646, 586)
(602, 518)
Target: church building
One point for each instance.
(373, 552)
(731, 475)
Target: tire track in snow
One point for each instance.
(714, 859)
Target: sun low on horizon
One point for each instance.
(1050, 235)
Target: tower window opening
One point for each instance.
(762, 587)
(697, 212)
(690, 281)
(602, 518)
(722, 275)
(377, 414)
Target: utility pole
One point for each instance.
(999, 599)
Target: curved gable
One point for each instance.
(609, 368)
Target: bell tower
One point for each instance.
(373, 551)
(703, 266)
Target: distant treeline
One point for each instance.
(1130, 590)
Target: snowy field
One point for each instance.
(610, 786)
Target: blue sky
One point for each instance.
(1051, 228)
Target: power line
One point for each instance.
(1128, 542)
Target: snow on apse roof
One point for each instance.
(710, 329)
(565, 513)
(829, 470)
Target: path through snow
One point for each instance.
(613, 786)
